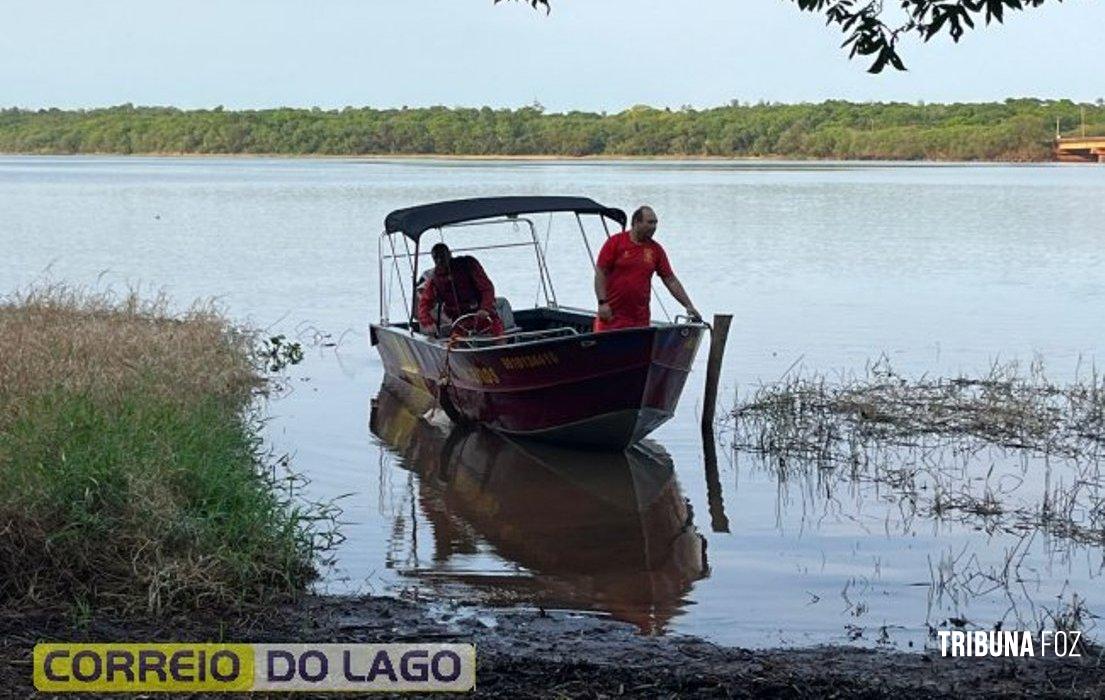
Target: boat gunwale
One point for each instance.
(404, 330)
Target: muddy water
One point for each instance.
(942, 269)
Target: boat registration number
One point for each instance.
(541, 359)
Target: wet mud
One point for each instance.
(525, 653)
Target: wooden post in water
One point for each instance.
(719, 333)
(719, 522)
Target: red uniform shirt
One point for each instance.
(628, 267)
(465, 290)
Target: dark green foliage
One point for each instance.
(871, 34)
(278, 353)
(1014, 130)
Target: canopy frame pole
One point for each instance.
(587, 243)
(660, 301)
(380, 280)
(385, 288)
(548, 235)
(542, 267)
(547, 287)
(411, 311)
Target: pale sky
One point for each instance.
(588, 54)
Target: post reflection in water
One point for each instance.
(608, 532)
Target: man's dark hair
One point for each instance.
(438, 250)
(638, 214)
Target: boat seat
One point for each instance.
(506, 314)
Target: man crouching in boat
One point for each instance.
(623, 276)
(457, 287)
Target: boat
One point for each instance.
(548, 376)
(583, 530)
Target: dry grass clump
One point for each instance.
(60, 338)
(131, 472)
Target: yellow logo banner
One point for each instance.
(143, 667)
(120, 668)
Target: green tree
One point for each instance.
(1012, 130)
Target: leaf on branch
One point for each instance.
(994, 8)
(938, 21)
(956, 29)
(535, 4)
(879, 63)
(966, 17)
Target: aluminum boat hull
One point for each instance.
(593, 390)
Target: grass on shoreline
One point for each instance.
(132, 476)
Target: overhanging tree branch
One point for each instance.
(868, 33)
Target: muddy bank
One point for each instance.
(525, 654)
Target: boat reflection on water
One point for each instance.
(608, 532)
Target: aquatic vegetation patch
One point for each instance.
(132, 476)
(816, 416)
(961, 447)
(1010, 453)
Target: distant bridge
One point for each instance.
(1080, 149)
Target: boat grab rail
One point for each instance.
(426, 253)
(522, 335)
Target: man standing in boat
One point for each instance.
(457, 287)
(623, 275)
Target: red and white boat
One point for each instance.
(549, 377)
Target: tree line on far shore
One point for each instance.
(1013, 130)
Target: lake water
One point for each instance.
(943, 269)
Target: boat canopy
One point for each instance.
(414, 221)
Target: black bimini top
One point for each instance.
(413, 221)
